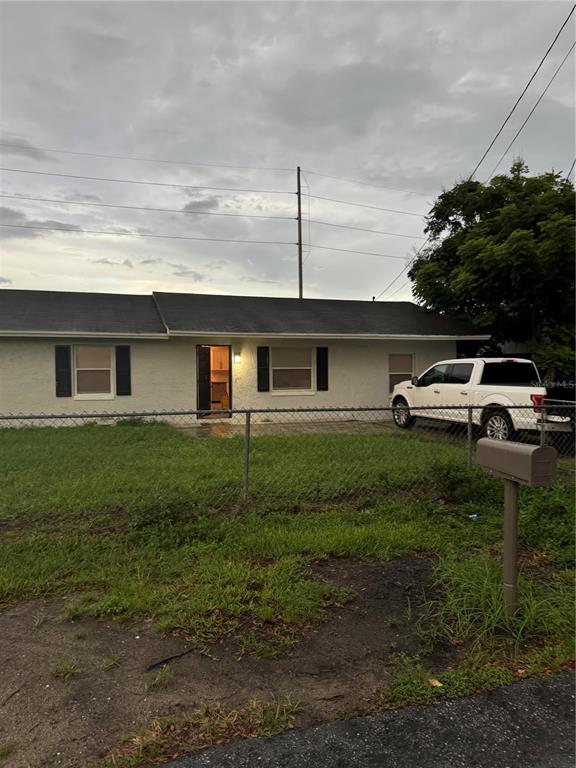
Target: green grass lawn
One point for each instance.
(136, 522)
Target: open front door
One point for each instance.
(203, 377)
(214, 379)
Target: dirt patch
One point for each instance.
(332, 671)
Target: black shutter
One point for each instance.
(203, 384)
(263, 354)
(63, 359)
(123, 373)
(322, 369)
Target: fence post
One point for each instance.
(542, 430)
(470, 430)
(246, 485)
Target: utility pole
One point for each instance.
(299, 194)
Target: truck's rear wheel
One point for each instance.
(401, 413)
(497, 425)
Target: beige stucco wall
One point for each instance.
(164, 374)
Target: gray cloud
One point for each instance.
(111, 263)
(5, 280)
(14, 219)
(21, 147)
(406, 95)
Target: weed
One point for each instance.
(163, 678)
(415, 685)
(39, 619)
(207, 726)
(6, 750)
(110, 662)
(472, 609)
(65, 669)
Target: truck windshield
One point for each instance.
(509, 373)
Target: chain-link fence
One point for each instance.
(148, 461)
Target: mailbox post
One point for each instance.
(517, 463)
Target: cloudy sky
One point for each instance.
(402, 95)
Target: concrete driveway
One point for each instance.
(526, 725)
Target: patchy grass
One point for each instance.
(415, 685)
(208, 726)
(65, 669)
(136, 534)
(163, 678)
(6, 751)
(152, 470)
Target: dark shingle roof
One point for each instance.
(256, 315)
(62, 312)
(46, 312)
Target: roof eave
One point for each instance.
(359, 336)
(81, 335)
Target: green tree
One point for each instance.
(501, 255)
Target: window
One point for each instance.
(436, 375)
(400, 368)
(510, 373)
(93, 371)
(291, 368)
(460, 373)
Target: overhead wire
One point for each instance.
(519, 99)
(503, 125)
(364, 229)
(365, 205)
(141, 159)
(146, 208)
(366, 183)
(81, 231)
(529, 115)
(174, 185)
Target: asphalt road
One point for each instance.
(526, 725)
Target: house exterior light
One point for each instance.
(237, 357)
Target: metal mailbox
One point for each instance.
(526, 464)
(515, 463)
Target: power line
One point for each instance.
(150, 183)
(366, 183)
(141, 159)
(362, 253)
(135, 234)
(519, 131)
(363, 229)
(363, 205)
(406, 268)
(143, 208)
(571, 169)
(518, 100)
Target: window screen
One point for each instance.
(400, 368)
(93, 370)
(291, 368)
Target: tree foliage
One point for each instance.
(501, 255)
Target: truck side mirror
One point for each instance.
(414, 381)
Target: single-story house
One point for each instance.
(64, 352)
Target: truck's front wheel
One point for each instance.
(497, 425)
(401, 413)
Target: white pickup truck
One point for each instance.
(447, 389)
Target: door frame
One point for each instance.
(213, 414)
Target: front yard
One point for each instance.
(361, 573)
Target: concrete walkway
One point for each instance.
(526, 725)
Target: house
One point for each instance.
(63, 352)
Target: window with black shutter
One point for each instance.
(322, 369)
(123, 371)
(63, 363)
(263, 363)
